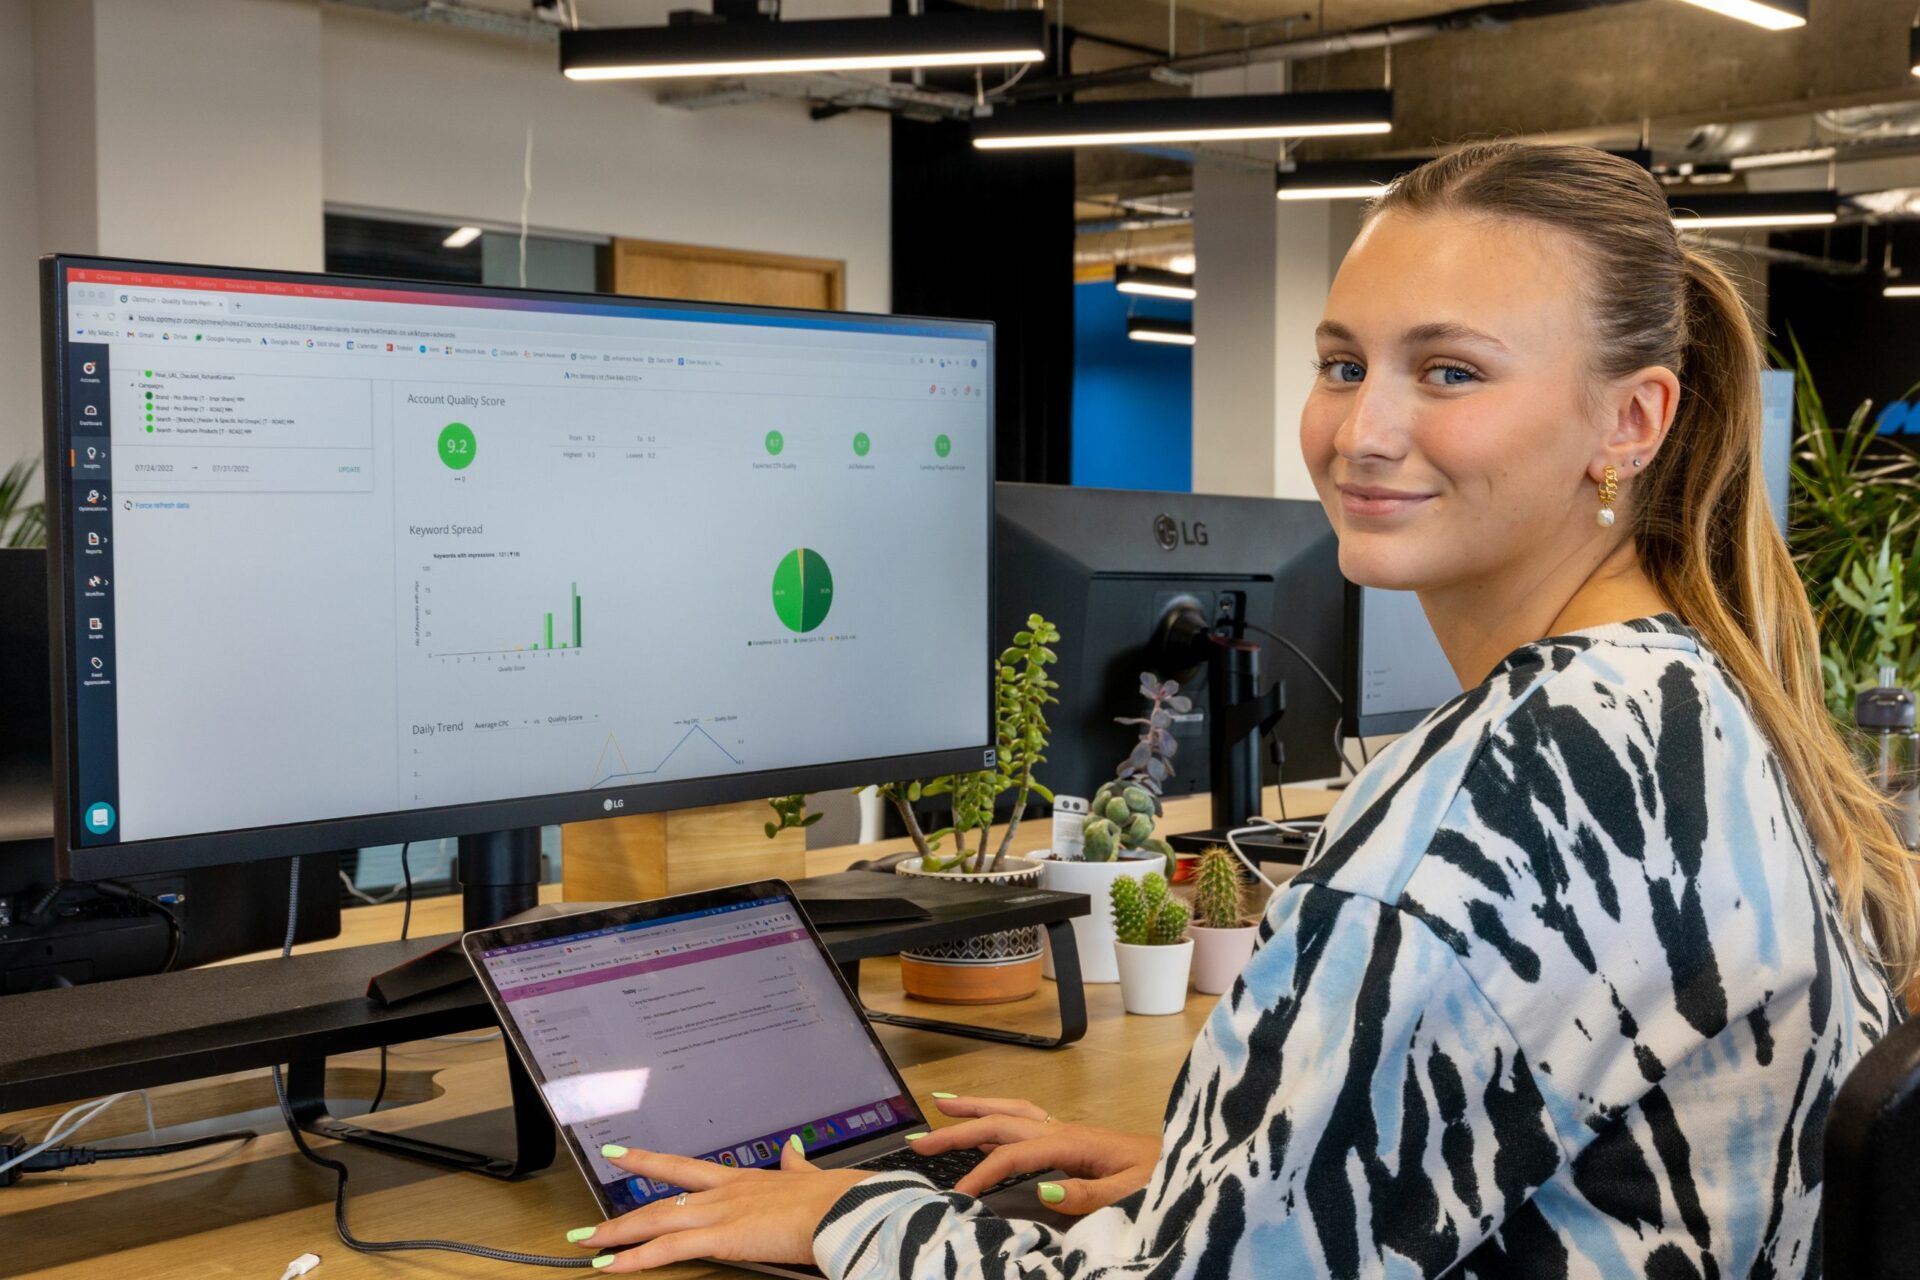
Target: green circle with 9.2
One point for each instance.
(861, 444)
(942, 446)
(775, 442)
(457, 445)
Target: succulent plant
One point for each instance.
(792, 812)
(1120, 819)
(1022, 691)
(1145, 913)
(1216, 889)
(1150, 763)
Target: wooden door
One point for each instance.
(656, 270)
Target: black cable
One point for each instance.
(406, 924)
(176, 935)
(1298, 653)
(347, 1237)
(169, 1148)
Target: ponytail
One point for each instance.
(1731, 577)
(1700, 519)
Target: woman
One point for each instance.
(1577, 965)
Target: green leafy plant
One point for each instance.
(1145, 913)
(1120, 820)
(1854, 532)
(792, 812)
(1022, 691)
(1216, 889)
(22, 524)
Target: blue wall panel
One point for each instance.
(1132, 401)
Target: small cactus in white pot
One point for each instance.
(1150, 944)
(1223, 939)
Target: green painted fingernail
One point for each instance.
(612, 1152)
(1052, 1192)
(578, 1234)
(604, 1260)
(915, 1137)
(938, 1094)
(796, 1144)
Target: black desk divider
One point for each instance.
(82, 1042)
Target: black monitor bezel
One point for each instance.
(182, 853)
(1356, 724)
(513, 934)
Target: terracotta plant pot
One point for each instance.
(989, 968)
(1093, 932)
(1153, 979)
(1219, 955)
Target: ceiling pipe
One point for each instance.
(1382, 36)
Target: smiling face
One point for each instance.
(1455, 429)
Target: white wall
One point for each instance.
(19, 239)
(420, 119)
(217, 131)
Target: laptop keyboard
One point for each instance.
(943, 1170)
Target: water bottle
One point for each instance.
(1886, 715)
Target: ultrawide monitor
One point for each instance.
(343, 561)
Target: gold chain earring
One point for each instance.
(1609, 488)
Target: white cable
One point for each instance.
(1264, 824)
(526, 199)
(61, 1130)
(300, 1266)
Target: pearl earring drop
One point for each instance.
(1609, 488)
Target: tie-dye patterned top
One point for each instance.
(1563, 992)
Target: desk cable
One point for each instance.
(339, 1169)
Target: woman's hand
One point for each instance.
(1019, 1137)
(756, 1215)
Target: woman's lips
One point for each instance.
(1365, 500)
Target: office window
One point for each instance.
(414, 249)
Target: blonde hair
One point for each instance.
(1699, 516)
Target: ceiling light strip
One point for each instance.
(1163, 121)
(1774, 15)
(813, 46)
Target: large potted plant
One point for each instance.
(994, 967)
(1222, 936)
(1119, 839)
(1150, 944)
(22, 524)
(1854, 532)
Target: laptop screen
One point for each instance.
(715, 1033)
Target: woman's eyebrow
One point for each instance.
(1450, 331)
(1335, 330)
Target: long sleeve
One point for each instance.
(1353, 1108)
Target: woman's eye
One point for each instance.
(1450, 375)
(1346, 371)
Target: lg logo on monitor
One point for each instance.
(1172, 534)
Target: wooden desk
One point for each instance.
(246, 1211)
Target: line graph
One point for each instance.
(627, 772)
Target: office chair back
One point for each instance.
(1870, 1197)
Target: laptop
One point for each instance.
(713, 1025)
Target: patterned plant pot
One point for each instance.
(990, 968)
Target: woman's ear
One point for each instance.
(1644, 404)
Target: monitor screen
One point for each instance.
(1776, 440)
(664, 1034)
(349, 561)
(1397, 671)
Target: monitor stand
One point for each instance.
(499, 877)
(1238, 718)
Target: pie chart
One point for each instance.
(802, 590)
